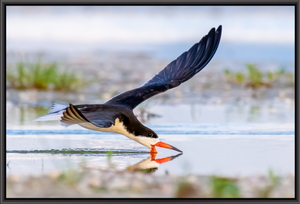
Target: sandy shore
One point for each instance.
(131, 183)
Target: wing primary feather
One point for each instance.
(172, 65)
(208, 48)
(180, 59)
(201, 51)
(191, 54)
(176, 72)
(215, 47)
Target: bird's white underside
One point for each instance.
(146, 164)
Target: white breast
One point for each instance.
(119, 128)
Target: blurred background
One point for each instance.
(97, 52)
(238, 111)
(106, 46)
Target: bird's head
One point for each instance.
(150, 139)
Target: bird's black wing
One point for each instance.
(82, 114)
(178, 71)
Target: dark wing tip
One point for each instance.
(213, 30)
(219, 28)
(219, 31)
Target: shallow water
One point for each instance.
(223, 140)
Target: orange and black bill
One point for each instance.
(165, 145)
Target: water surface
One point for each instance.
(223, 140)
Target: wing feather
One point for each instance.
(178, 71)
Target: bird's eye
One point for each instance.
(150, 134)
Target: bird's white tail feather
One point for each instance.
(55, 113)
(57, 107)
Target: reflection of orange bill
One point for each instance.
(165, 145)
(163, 160)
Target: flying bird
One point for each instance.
(116, 115)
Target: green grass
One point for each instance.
(43, 76)
(224, 187)
(109, 154)
(291, 79)
(110, 164)
(254, 78)
(70, 177)
(274, 182)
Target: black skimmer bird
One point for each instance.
(116, 115)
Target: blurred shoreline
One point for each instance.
(117, 184)
(115, 73)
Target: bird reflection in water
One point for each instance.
(150, 164)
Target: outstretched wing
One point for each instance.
(178, 71)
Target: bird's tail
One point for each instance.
(55, 113)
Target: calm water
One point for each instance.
(224, 140)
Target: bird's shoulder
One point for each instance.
(106, 111)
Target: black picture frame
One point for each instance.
(5, 3)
